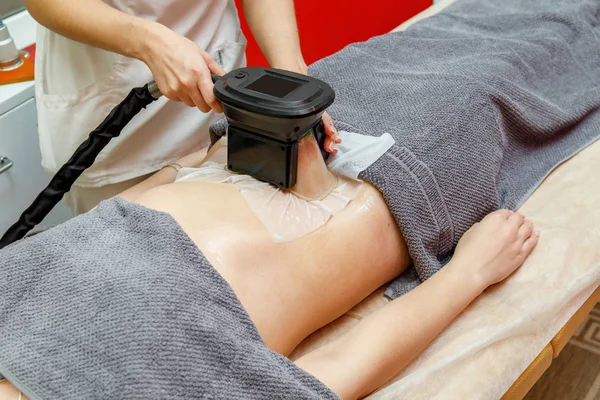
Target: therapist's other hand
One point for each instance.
(182, 70)
(333, 138)
(297, 64)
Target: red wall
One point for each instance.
(326, 26)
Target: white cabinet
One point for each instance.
(20, 184)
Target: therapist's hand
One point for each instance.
(333, 138)
(181, 69)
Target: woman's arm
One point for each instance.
(385, 342)
(181, 69)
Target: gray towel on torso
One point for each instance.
(120, 304)
(483, 100)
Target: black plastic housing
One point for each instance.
(268, 111)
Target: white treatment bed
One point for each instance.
(507, 338)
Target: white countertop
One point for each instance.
(15, 94)
(22, 28)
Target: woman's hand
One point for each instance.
(333, 137)
(494, 248)
(181, 69)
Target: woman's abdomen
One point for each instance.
(289, 289)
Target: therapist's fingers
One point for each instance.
(167, 84)
(332, 136)
(187, 100)
(198, 99)
(187, 83)
(205, 85)
(329, 145)
(199, 102)
(213, 66)
(330, 129)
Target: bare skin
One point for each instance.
(289, 289)
(292, 289)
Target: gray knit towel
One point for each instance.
(483, 99)
(120, 304)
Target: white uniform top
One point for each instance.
(77, 85)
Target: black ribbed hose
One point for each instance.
(83, 158)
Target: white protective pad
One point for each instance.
(286, 216)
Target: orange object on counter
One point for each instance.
(21, 74)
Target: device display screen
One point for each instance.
(273, 86)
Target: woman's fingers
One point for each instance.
(525, 230)
(517, 219)
(530, 244)
(499, 215)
